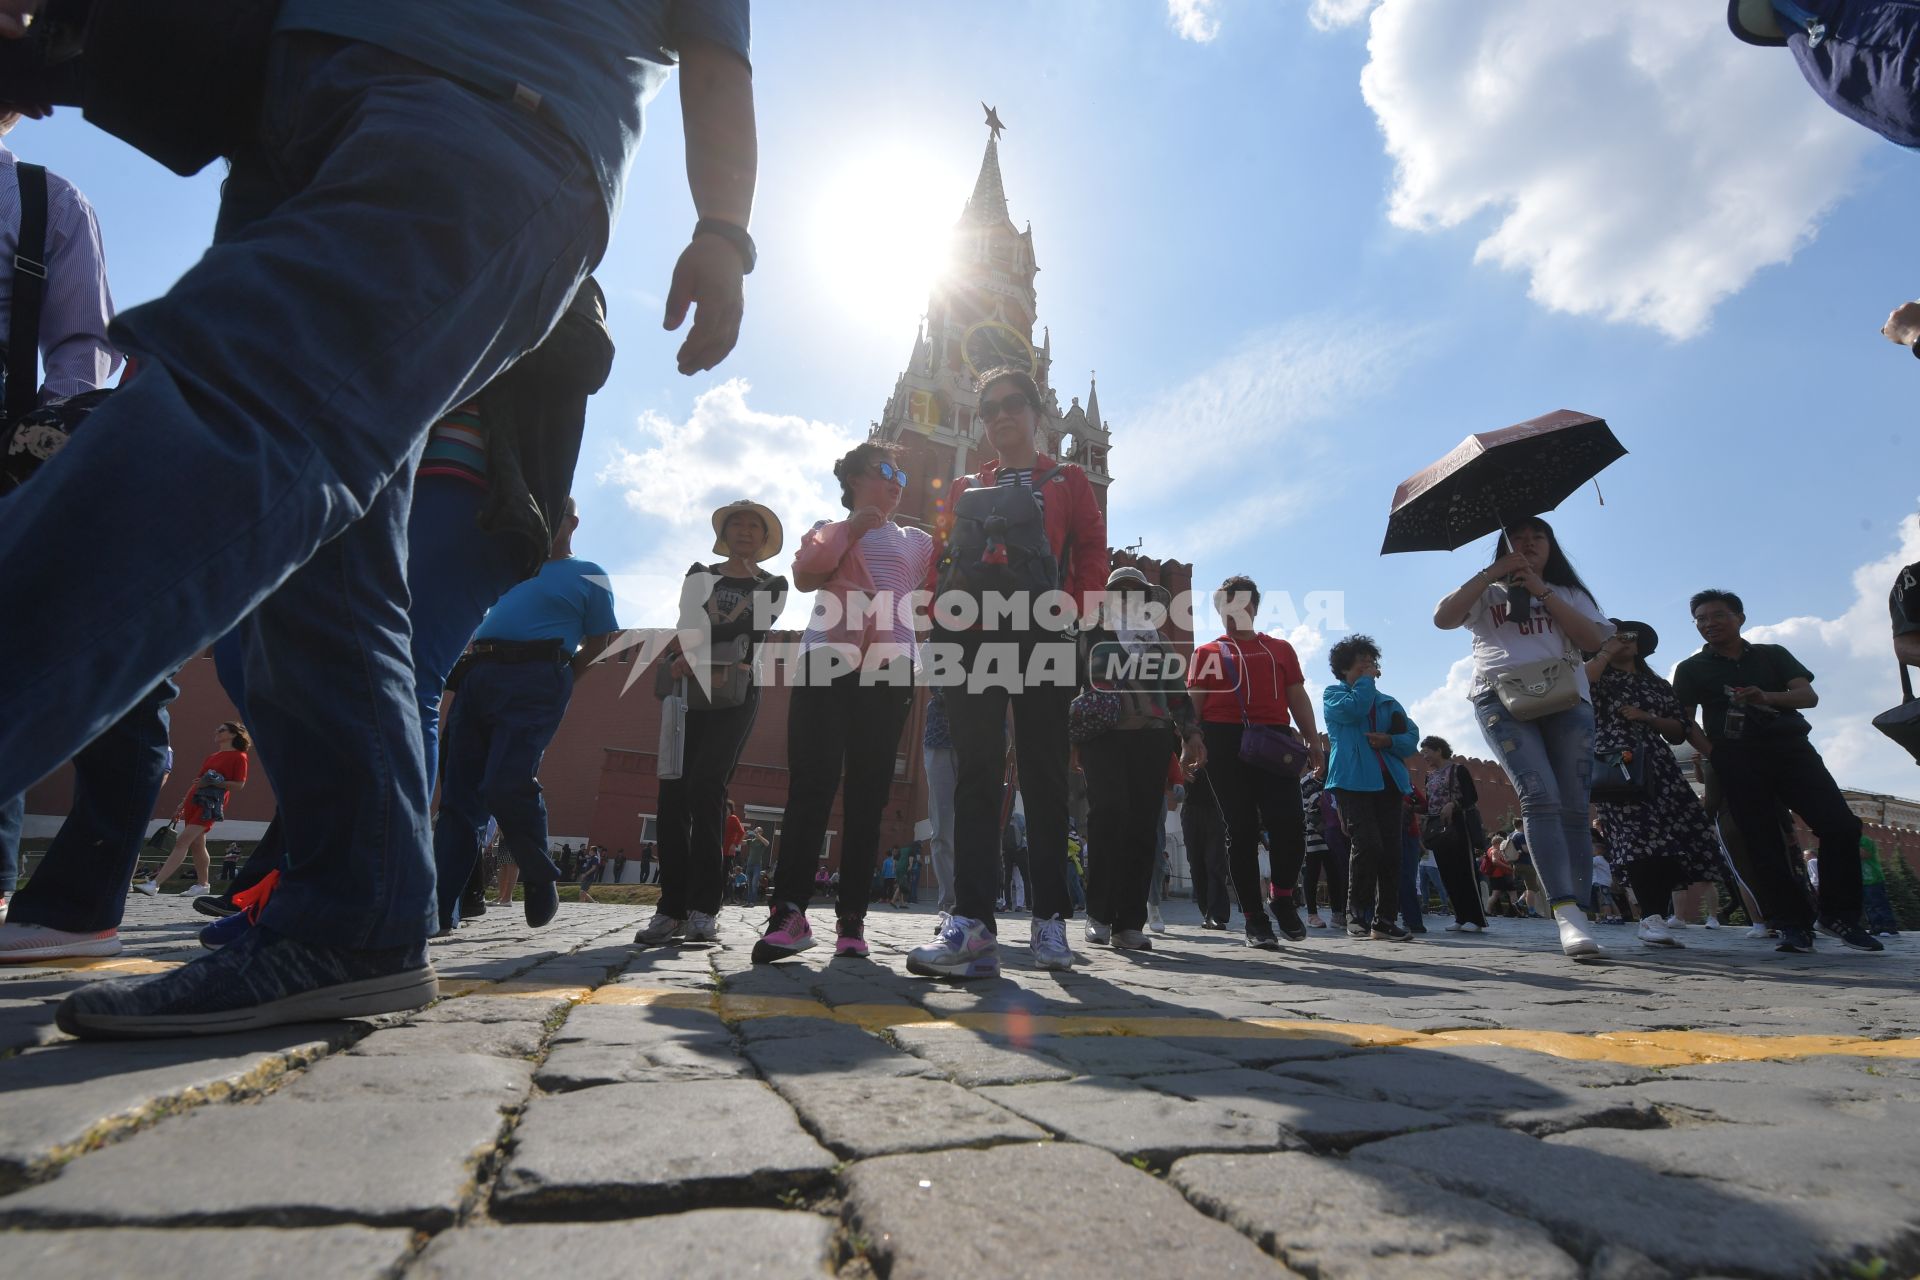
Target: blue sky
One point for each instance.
(1309, 246)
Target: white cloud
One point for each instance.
(726, 449)
(1194, 19)
(1267, 399)
(1327, 15)
(1446, 713)
(1851, 658)
(1641, 163)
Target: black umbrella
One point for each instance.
(1496, 477)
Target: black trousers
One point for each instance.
(848, 728)
(1205, 831)
(1373, 820)
(693, 809)
(1126, 777)
(977, 716)
(1252, 799)
(1755, 778)
(1453, 854)
(1653, 881)
(1331, 863)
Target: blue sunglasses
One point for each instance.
(887, 471)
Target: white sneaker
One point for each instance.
(1653, 932)
(1712, 922)
(1675, 922)
(1131, 940)
(195, 890)
(662, 928)
(1455, 927)
(1155, 921)
(1471, 927)
(148, 887)
(940, 923)
(1759, 931)
(26, 943)
(1097, 932)
(1575, 941)
(702, 927)
(1047, 941)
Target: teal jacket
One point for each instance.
(1350, 712)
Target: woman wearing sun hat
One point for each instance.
(725, 611)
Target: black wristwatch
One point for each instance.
(734, 234)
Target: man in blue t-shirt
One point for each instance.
(506, 708)
(437, 179)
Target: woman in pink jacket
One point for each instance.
(853, 688)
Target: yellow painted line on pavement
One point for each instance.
(1627, 1048)
(121, 966)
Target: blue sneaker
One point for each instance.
(225, 930)
(964, 949)
(262, 980)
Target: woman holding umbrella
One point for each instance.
(1529, 615)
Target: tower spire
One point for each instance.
(1093, 400)
(989, 200)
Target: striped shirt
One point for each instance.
(457, 447)
(898, 558)
(76, 308)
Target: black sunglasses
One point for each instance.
(991, 409)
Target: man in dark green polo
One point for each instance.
(1752, 696)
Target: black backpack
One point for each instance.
(998, 543)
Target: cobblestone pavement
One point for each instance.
(1472, 1106)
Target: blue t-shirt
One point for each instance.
(594, 64)
(567, 600)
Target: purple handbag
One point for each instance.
(1271, 748)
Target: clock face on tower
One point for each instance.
(991, 344)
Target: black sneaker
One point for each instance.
(1262, 939)
(1849, 933)
(1798, 941)
(263, 979)
(1391, 931)
(473, 906)
(1357, 930)
(540, 899)
(215, 905)
(1287, 919)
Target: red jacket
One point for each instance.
(1076, 528)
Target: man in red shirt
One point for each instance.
(1246, 678)
(734, 836)
(1076, 530)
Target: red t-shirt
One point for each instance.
(231, 765)
(1266, 668)
(736, 833)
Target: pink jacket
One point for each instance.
(831, 549)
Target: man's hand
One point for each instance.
(1903, 326)
(707, 278)
(1750, 695)
(1380, 741)
(864, 521)
(16, 16)
(1195, 757)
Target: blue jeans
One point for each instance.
(1410, 854)
(1430, 877)
(1549, 761)
(504, 716)
(388, 242)
(81, 883)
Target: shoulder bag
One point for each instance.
(1271, 748)
(1902, 723)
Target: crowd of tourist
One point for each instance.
(396, 523)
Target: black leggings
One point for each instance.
(1249, 799)
(1332, 861)
(1654, 880)
(1126, 775)
(847, 728)
(693, 809)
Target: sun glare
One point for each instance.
(881, 233)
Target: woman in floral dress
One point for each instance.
(1662, 842)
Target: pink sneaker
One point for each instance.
(788, 933)
(852, 940)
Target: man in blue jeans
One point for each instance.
(520, 676)
(427, 186)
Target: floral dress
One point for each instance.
(1670, 823)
